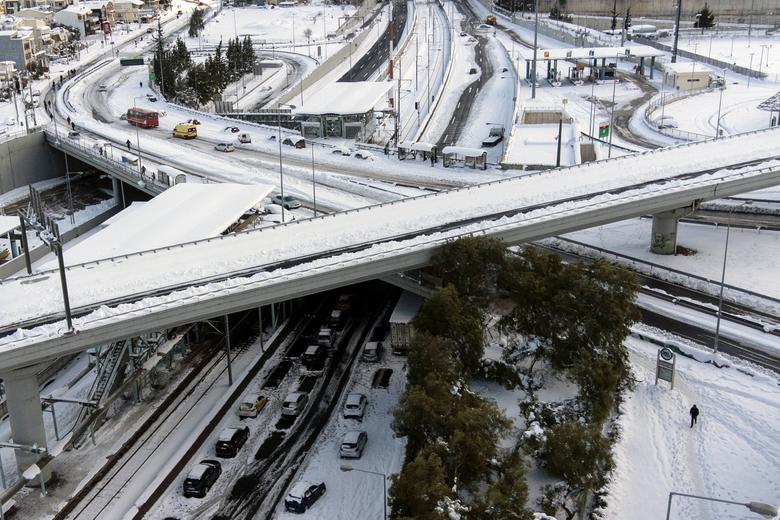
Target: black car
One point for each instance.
(201, 477)
(303, 495)
(314, 356)
(231, 440)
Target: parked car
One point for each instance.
(233, 129)
(231, 440)
(11, 121)
(342, 150)
(251, 405)
(225, 147)
(495, 136)
(102, 87)
(73, 134)
(472, 70)
(363, 154)
(314, 355)
(244, 138)
(353, 444)
(289, 201)
(464, 33)
(336, 320)
(151, 97)
(303, 495)
(355, 406)
(201, 477)
(294, 404)
(297, 142)
(372, 352)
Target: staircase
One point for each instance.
(108, 372)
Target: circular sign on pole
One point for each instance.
(666, 354)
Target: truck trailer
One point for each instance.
(401, 330)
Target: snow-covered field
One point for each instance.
(732, 453)
(751, 252)
(737, 49)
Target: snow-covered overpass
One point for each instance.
(125, 296)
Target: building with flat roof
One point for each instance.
(686, 76)
(343, 109)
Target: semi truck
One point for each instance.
(401, 329)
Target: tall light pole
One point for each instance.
(281, 170)
(313, 183)
(750, 68)
(612, 112)
(720, 104)
(138, 137)
(676, 31)
(723, 279)
(765, 510)
(536, 48)
(346, 467)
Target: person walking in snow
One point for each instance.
(694, 415)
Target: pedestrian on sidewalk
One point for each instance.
(694, 415)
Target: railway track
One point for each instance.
(704, 303)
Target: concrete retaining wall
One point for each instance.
(328, 65)
(28, 159)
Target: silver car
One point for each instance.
(353, 444)
(355, 406)
(294, 404)
(224, 147)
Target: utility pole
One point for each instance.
(676, 34)
(624, 30)
(536, 48)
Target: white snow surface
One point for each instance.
(110, 280)
(732, 453)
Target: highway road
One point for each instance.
(377, 55)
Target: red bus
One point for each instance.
(143, 118)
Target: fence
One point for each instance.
(665, 99)
(703, 59)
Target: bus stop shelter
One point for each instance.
(473, 157)
(427, 150)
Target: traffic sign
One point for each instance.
(603, 130)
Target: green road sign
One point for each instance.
(152, 77)
(603, 131)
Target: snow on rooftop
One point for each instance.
(8, 223)
(639, 51)
(685, 68)
(300, 489)
(196, 473)
(182, 213)
(407, 308)
(356, 97)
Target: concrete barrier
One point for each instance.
(28, 159)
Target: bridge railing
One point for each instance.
(79, 148)
(664, 99)
(648, 155)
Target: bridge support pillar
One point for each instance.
(26, 416)
(118, 191)
(664, 235)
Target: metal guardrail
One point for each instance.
(125, 173)
(703, 59)
(671, 98)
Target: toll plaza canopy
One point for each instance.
(182, 213)
(584, 53)
(343, 98)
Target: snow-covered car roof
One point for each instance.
(299, 489)
(351, 437)
(312, 349)
(354, 398)
(197, 471)
(251, 398)
(226, 435)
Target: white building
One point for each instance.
(686, 76)
(76, 16)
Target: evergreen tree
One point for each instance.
(472, 265)
(417, 490)
(446, 315)
(248, 55)
(579, 454)
(197, 23)
(162, 64)
(706, 18)
(627, 21)
(505, 498)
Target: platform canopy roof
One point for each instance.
(182, 213)
(583, 53)
(342, 98)
(8, 223)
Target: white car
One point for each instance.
(355, 406)
(353, 444)
(225, 147)
(294, 404)
(11, 121)
(103, 87)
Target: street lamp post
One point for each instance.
(281, 170)
(612, 112)
(765, 510)
(346, 467)
(536, 40)
(313, 183)
(723, 276)
(720, 104)
(138, 138)
(750, 68)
